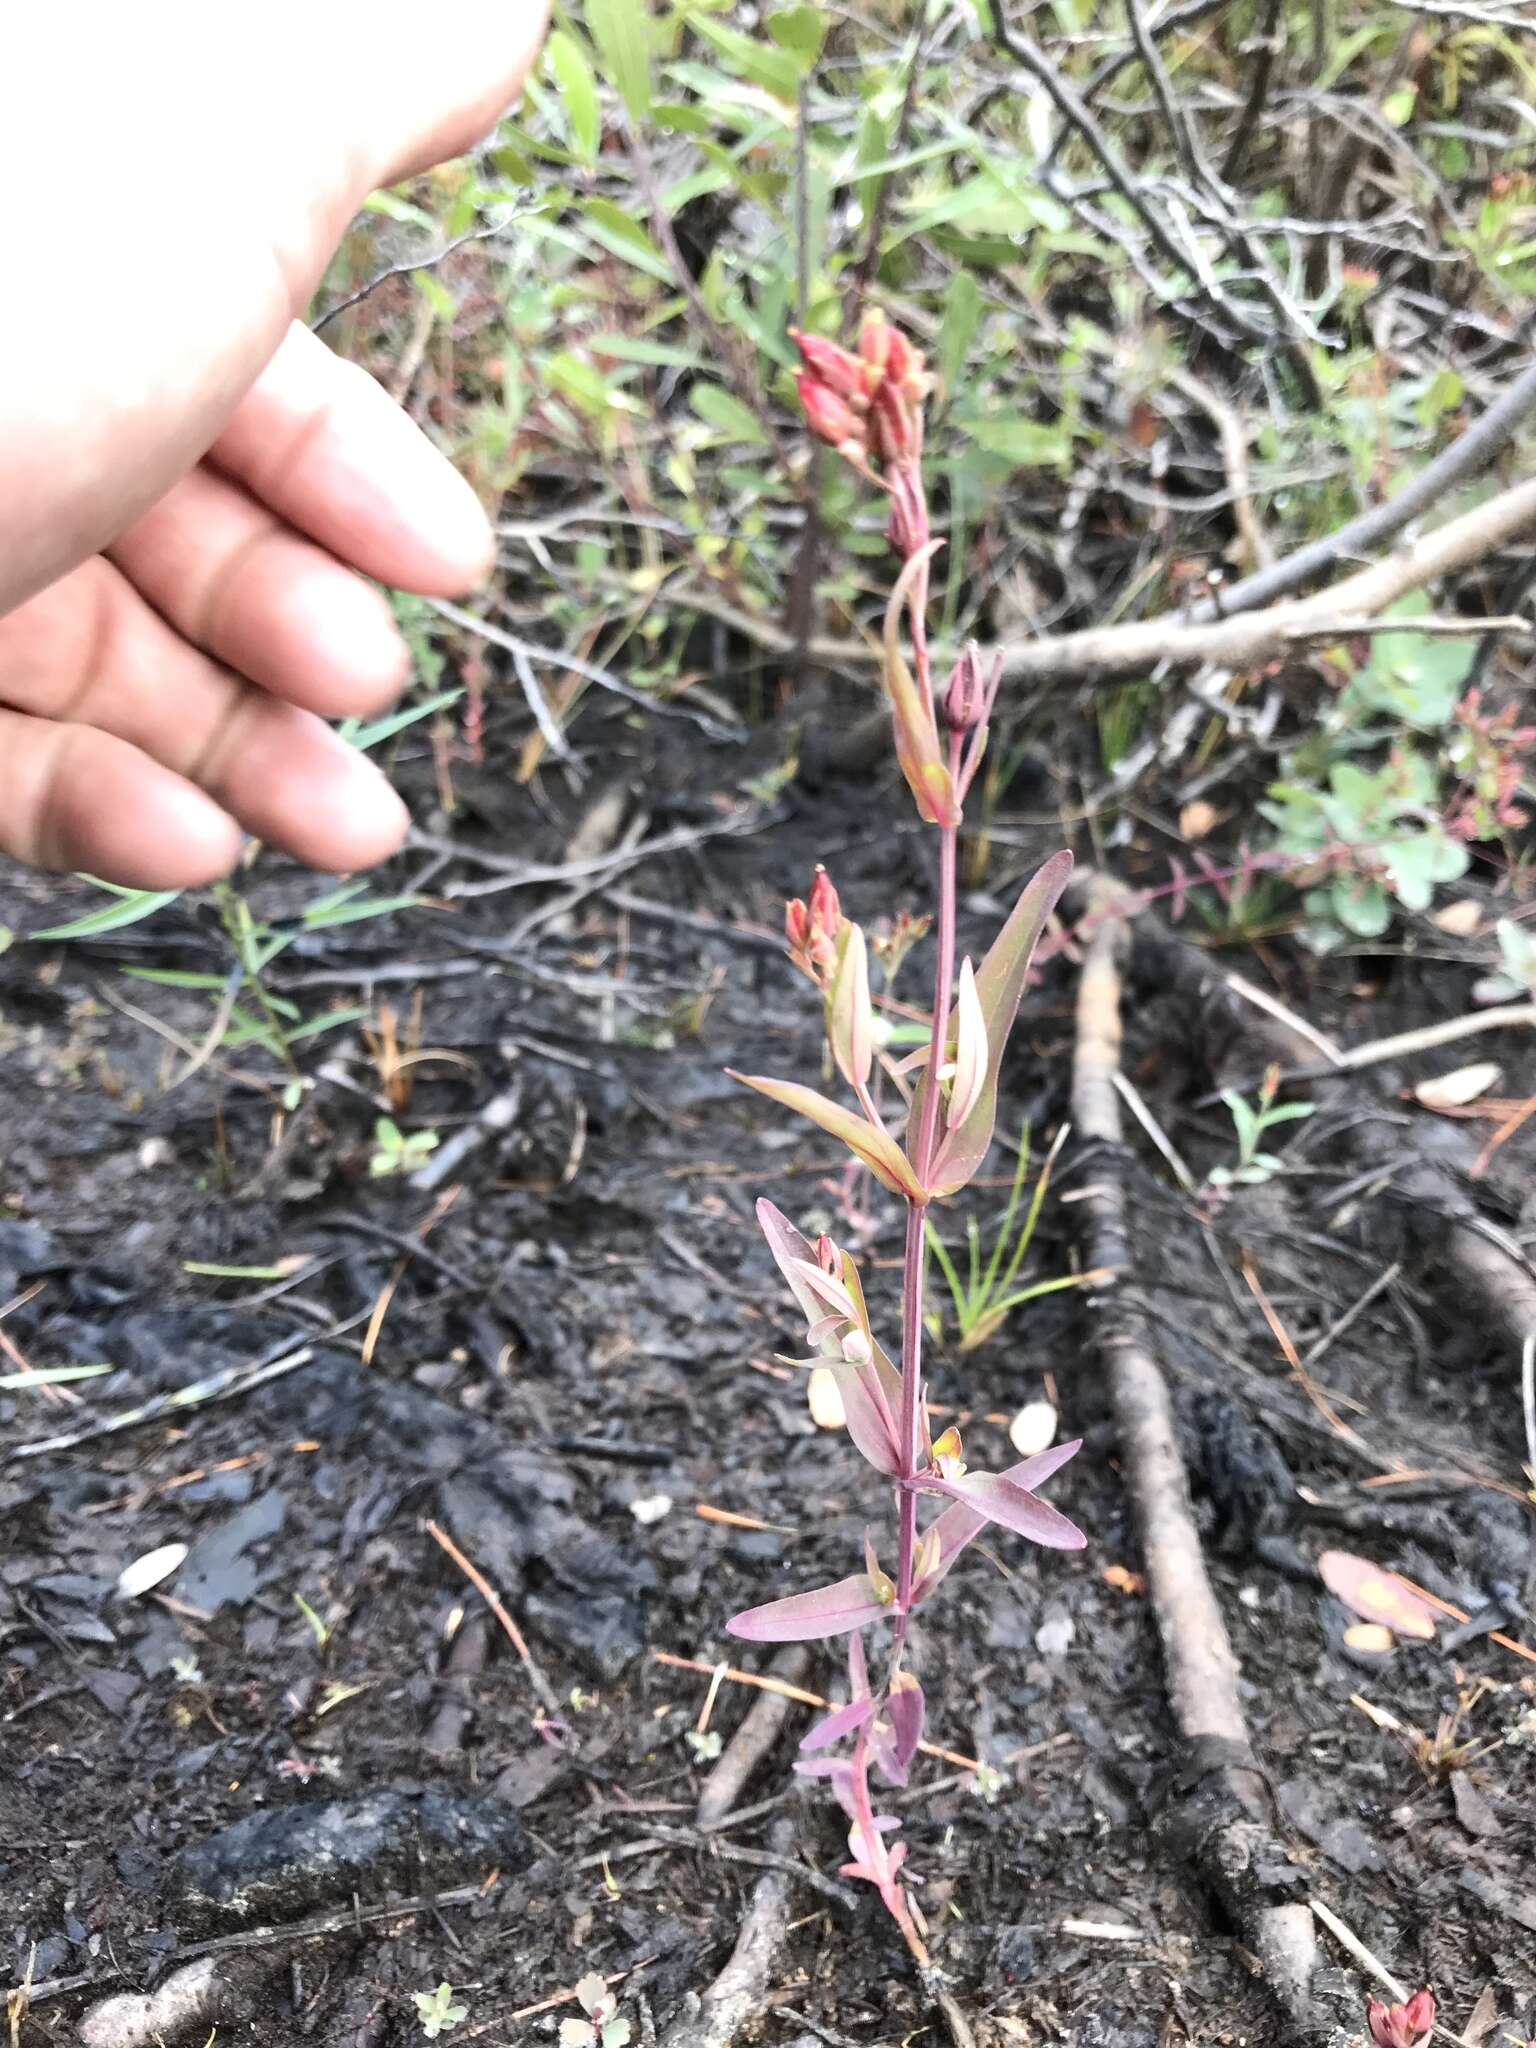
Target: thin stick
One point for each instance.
(787, 1691)
(1282, 1337)
(493, 1600)
(1336, 1330)
(1231, 1831)
(1459, 1614)
(1507, 1016)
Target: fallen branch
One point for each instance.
(740, 1991)
(1244, 640)
(1488, 436)
(1252, 638)
(1217, 1809)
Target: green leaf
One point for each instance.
(1415, 865)
(720, 408)
(878, 1149)
(962, 314)
(801, 31)
(378, 730)
(774, 70)
(578, 89)
(1027, 444)
(328, 1020)
(1361, 905)
(637, 348)
(621, 31)
(622, 235)
(49, 1376)
(129, 907)
(322, 916)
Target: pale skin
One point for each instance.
(192, 486)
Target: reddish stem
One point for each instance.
(913, 1263)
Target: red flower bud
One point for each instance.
(830, 416)
(895, 425)
(841, 371)
(965, 697)
(1402, 2026)
(905, 369)
(875, 338)
(811, 931)
(826, 911)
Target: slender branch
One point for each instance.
(1257, 637)
(431, 262)
(1467, 457)
(1231, 1836)
(1266, 45)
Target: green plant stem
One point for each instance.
(236, 920)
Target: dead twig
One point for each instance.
(759, 1731)
(493, 1600)
(740, 1991)
(766, 1682)
(1233, 435)
(1221, 1818)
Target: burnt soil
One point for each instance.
(590, 1324)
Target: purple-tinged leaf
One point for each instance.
(839, 1774)
(827, 1289)
(808, 1617)
(904, 1708)
(1011, 1507)
(833, 1727)
(867, 1421)
(999, 986)
(858, 1669)
(1032, 1473)
(877, 1149)
(871, 1392)
(959, 1526)
(791, 1253)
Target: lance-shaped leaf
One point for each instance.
(957, 1527)
(905, 1707)
(833, 1727)
(917, 731)
(850, 1014)
(838, 1771)
(877, 1149)
(808, 1617)
(999, 985)
(971, 1061)
(871, 1389)
(1011, 1507)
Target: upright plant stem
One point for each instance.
(917, 1214)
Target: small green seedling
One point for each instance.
(319, 1627)
(394, 1152)
(436, 2012)
(1516, 976)
(987, 1784)
(602, 2027)
(704, 1744)
(1253, 1166)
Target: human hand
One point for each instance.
(190, 478)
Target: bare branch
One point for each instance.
(1473, 453)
